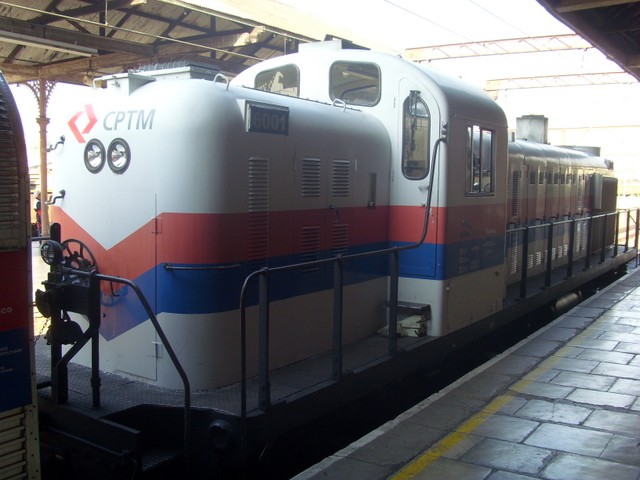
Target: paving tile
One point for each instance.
(504, 427)
(500, 475)
(446, 469)
(574, 321)
(628, 348)
(604, 356)
(463, 446)
(627, 386)
(603, 301)
(626, 319)
(615, 422)
(511, 407)
(513, 365)
(503, 455)
(616, 327)
(345, 469)
(554, 412)
(397, 445)
(557, 333)
(591, 397)
(538, 348)
(623, 450)
(620, 336)
(572, 352)
(617, 370)
(483, 386)
(584, 380)
(594, 343)
(569, 439)
(566, 466)
(442, 415)
(546, 390)
(575, 365)
(588, 312)
(542, 375)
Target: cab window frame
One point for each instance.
(358, 92)
(416, 137)
(480, 161)
(264, 81)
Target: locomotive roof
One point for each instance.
(315, 60)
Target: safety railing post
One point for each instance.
(525, 263)
(603, 238)
(547, 273)
(338, 281)
(572, 240)
(94, 322)
(263, 349)
(587, 260)
(615, 233)
(393, 303)
(626, 237)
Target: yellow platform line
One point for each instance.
(465, 429)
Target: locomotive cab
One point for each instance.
(448, 167)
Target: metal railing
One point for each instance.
(59, 363)
(262, 277)
(586, 250)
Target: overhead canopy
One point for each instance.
(75, 41)
(613, 26)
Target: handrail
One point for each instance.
(167, 345)
(339, 261)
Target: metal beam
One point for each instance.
(551, 81)
(549, 43)
(45, 34)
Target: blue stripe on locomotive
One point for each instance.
(201, 291)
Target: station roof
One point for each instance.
(75, 41)
(612, 26)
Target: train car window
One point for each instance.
(481, 160)
(416, 125)
(355, 83)
(284, 80)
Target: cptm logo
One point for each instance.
(87, 115)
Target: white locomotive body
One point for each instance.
(188, 185)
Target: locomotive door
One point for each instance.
(125, 323)
(418, 123)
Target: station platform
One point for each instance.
(562, 404)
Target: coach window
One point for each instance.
(284, 80)
(415, 137)
(480, 160)
(355, 83)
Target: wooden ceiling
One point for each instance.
(74, 41)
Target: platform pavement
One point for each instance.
(563, 404)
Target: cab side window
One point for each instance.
(284, 80)
(480, 160)
(355, 83)
(416, 124)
